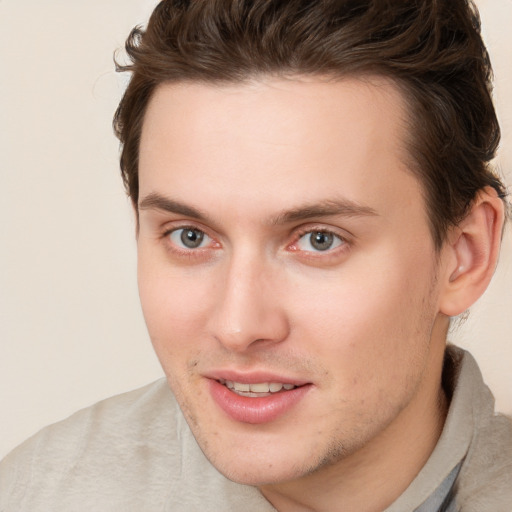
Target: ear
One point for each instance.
(472, 251)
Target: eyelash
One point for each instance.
(184, 252)
(330, 252)
(309, 230)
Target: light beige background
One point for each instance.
(71, 331)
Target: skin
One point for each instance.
(361, 322)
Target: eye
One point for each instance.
(189, 238)
(321, 241)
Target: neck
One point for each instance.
(372, 478)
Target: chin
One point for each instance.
(258, 460)
(260, 473)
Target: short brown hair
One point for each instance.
(432, 49)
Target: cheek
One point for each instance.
(369, 322)
(174, 305)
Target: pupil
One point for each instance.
(192, 238)
(321, 241)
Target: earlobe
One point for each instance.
(473, 249)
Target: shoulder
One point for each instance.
(107, 445)
(106, 424)
(485, 479)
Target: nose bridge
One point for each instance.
(248, 309)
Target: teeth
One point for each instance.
(260, 387)
(241, 387)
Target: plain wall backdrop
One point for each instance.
(71, 329)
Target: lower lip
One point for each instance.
(255, 409)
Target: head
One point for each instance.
(314, 202)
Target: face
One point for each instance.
(286, 269)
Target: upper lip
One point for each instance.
(253, 377)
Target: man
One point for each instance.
(314, 202)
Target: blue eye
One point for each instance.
(319, 241)
(189, 238)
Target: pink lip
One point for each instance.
(256, 410)
(253, 377)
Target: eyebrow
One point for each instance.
(155, 201)
(326, 208)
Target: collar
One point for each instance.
(463, 382)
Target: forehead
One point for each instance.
(277, 141)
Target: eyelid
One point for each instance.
(173, 226)
(312, 228)
(342, 235)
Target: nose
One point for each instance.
(249, 312)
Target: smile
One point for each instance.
(260, 389)
(256, 402)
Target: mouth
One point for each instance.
(256, 390)
(261, 400)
